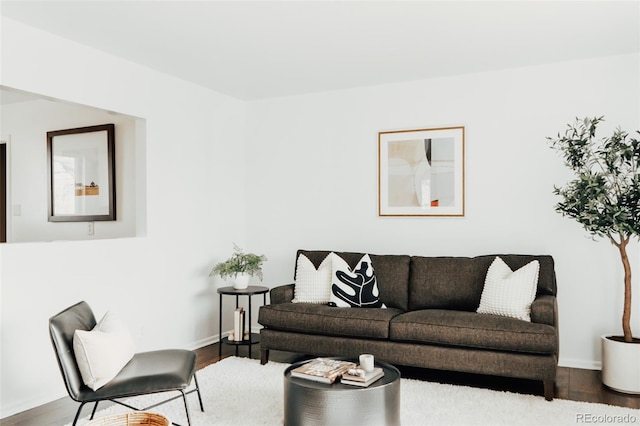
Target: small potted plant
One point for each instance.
(604, 197)
(240, 267)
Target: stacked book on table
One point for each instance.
(238, 334)
(327, 370)
(358, 377)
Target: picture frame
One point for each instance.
(81, 174)
(421, 172)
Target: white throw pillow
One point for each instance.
(312, 285)
(508, 293)
(102, 352)
(355, 287)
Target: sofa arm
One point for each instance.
(281, 294)
(544, 310)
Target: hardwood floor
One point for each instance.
(572, 383)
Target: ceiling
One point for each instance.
(260, 49)
(10, 96)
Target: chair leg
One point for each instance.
(186, 407)
(95, 407)
(75, 419)
(195, 378)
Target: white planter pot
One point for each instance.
(621, 365)
(241, 281)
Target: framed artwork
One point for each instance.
(81, 174)
(421, 172)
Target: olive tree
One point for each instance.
(604, 193)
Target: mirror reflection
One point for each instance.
(25, 120)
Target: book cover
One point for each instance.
(364, 381)
(238, 324)
(323, 370)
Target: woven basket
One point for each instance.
(131, 419)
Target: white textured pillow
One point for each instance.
(355, 287)
(508, 293)
(312, 285)
(102, 352)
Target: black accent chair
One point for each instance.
(146, 373)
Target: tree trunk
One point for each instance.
(626, 314)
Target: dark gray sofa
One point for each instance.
(430, 320)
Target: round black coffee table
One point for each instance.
(313, 403)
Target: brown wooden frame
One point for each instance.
(455, 202)
(108, 161)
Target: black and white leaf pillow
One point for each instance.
(355, 287)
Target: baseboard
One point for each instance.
(216, 338)
(207, 341)
(579, 363)
(28, 404)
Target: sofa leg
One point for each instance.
(264, 356)
(549, 389)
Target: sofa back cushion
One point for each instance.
(392, 273)
(546, 277)
(457, 282)
(445, 283)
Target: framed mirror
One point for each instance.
(81, 165)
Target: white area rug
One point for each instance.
(240, 391)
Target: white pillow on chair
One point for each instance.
(102, 352)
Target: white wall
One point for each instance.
(312, 178)
(307, 178)
(26, 125)
(195, 210)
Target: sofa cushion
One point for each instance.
(392, 273)
(326, 320)
(445, 283)
(313, 285)
(546, 276)
(470, 329)
(457, 282)
(354, 287)
(509, 293)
